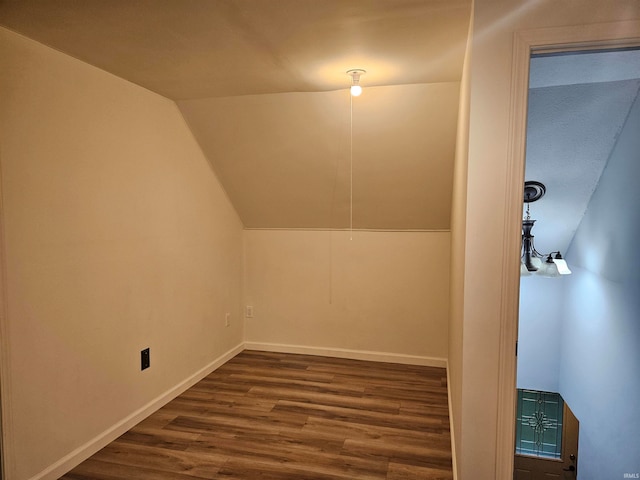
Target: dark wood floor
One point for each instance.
(273, 416)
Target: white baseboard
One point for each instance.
(83, 452)
(345, 353)
(451, 429)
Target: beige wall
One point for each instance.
(383, 292)
(101, 179)
(118, 237)
(458, 220)
(495, 22)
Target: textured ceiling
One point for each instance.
(578, 105)
(584, 67)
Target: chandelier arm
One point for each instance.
(537, 253)
(544, 254)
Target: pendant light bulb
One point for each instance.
(355, 75)
(549, 268)
(561, 264)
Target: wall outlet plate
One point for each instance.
(249, 311)
(145, 359)
(227, 319)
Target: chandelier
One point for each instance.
(532, 261)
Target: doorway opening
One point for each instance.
(576, 332)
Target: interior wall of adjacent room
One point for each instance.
(599, 354)
(118, 237)
(540, 320)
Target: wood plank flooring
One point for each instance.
(272, 416)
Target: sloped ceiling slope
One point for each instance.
(579, 105)
(286, 159)
(263, 85)
(572, 132)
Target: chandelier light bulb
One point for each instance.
(536, 262)
(561, 264)
(356, 90)
(549, 268)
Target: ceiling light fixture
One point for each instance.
(355, 75)
(355, 91)
(546, 264)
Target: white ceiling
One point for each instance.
(277, 140)
(263, 86)
(578, 105)
(185, 49)
(584, 67)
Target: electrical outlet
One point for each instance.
(145, 359)
(249, 312)
(227, 319)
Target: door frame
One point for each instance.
(4, 341)
(525, 42)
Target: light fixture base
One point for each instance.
(533, 191)
(356, 72)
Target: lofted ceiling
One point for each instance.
(578, 105)
(185, 49)
(285, 159)
(263, 86)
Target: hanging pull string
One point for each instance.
(354, 90)
(351, 167)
